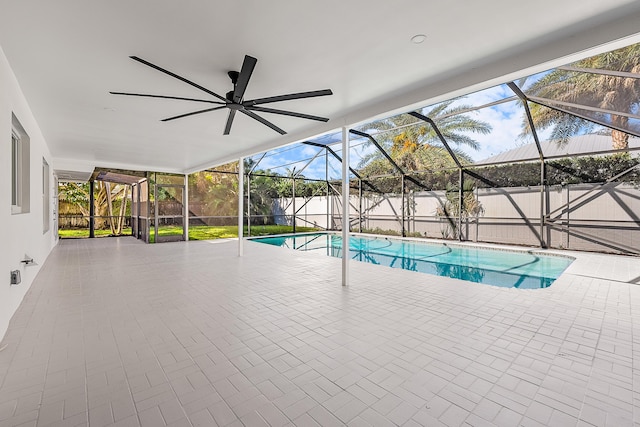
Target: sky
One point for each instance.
(505, 120)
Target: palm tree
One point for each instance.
(414, 145)
(608, 92)
(450, 207)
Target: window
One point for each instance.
(20, 164)
(45, 196)
(16, 172)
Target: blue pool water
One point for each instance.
(512, 269)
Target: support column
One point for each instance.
(345, 206)
(92, 211)
(156, 220)
(249, 204)
(460, 202)
(293, 201)
(326, 177)
(240, 206)
(185, 204)
(568, 220)
(360, 206)
(543, 185)
(402, 211)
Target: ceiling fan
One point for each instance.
(234, 99)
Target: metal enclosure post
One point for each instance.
(460, 201)
(360, 206)
(329, 225)
(534, 133)
(148, 226)
(543, 182)
(185, 206)
(326, 177)
(133, 208)
(293, 201)
(92, 211)
(568, 220)
(477, 215)
(240, 206)
(155, 220)
(402, 210)
(345, 206)
(249, 204)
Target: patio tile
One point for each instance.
(188, 333)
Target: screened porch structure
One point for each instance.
(544, 166)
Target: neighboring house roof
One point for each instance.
(577, 145)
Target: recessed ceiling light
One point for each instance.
(418, 38)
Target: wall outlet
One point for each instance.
(15, 277)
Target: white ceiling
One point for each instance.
(68, 54)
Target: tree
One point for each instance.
(104, 200)
(214, 193)
(75, 195)
(608, 92)
(450, 207)
(264, 188)
(415, 145)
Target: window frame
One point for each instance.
(16, 172)
(46, 205)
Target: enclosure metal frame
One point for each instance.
(462, 169)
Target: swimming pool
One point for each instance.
(505, 268)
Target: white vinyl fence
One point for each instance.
(589, 217)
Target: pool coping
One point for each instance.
(534, 251)
(454, 243)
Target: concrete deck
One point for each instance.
(116, 332)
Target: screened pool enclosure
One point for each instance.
(549, 160)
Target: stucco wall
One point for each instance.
(22, 233)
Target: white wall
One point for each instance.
(21, 234)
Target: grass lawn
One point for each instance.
(78, 233)
(203, 232)
(196, 232)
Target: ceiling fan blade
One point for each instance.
(243, 79)
(167, 97)
(227, 128)
(263, 121)
(169, 73)
(311, 94)
(192, 113)
(288, 113)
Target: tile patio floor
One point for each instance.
(116, 332)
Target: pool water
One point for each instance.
(505, 268)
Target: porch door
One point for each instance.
(169, 213)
